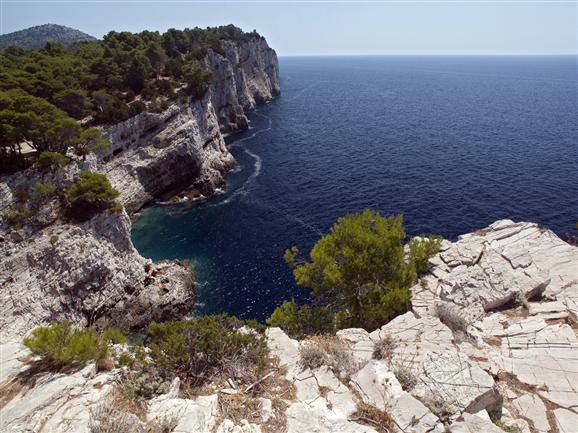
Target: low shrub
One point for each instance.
(406, 377)
(206, 347)
(18, 215)
(53, 239)
(89, 194)
(300, 321)
(109, 416)
(43, 190)
(439, 405)
(52, 161)
(504, 426)
(384, 348)
(106, 418)
(60, 344)
(21, 194)
(312, 356)
(143, 384)
(117, 208)
(380, 419)
(329, 351)
(421, 249)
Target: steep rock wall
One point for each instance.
(92, 273)
(88, 273)
(156, 153)
(246, 76)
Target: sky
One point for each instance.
(331, 27)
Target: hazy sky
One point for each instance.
(325, 27)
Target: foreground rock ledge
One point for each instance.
(468, 362)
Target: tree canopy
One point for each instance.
(45, 92)
(360, 270)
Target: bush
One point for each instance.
(384, 348)
(60, 344)
(90, 140)
(299, 321)
(312, 356)
(90, 194)
(379, 419)
(52, 161)
(117, 208)
(41, 192)
(329, 351)
(198, 80)
(53, 239)
(405, 375)
(43, 189)
(199, 349)
(16, 216)
(360, 270)
(421, 249)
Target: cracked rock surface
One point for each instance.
(454, 363)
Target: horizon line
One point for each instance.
(425, 54)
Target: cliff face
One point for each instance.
(92, 273)
(247, 75)
(159, 153)
(153, 154)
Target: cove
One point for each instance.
(454, 143)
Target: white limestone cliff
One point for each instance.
(92, 274)
(460, 370)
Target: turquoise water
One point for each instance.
(453, 143)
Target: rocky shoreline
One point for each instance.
(90, 272)
(490, 344)
(464, 360)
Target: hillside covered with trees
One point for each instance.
(52, 98)
(38, 36)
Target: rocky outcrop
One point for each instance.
(451, 364)
(245, 76)
(155, 154)
(90, 272)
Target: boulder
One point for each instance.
(190, 416)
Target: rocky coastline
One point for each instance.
(90, 273)
(464, 359)
(489, 345)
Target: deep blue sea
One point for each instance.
(453, 143)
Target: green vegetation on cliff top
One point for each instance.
(359, 275)
(50, 96)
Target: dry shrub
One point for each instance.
(329, 351)
(452, 316)
(144, 383)
(384, 348)
(312, 356)
(108, 417)
(247, 405)
(402, 365)
(405, 376)
(379, 419)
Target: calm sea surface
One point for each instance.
(453, 143)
